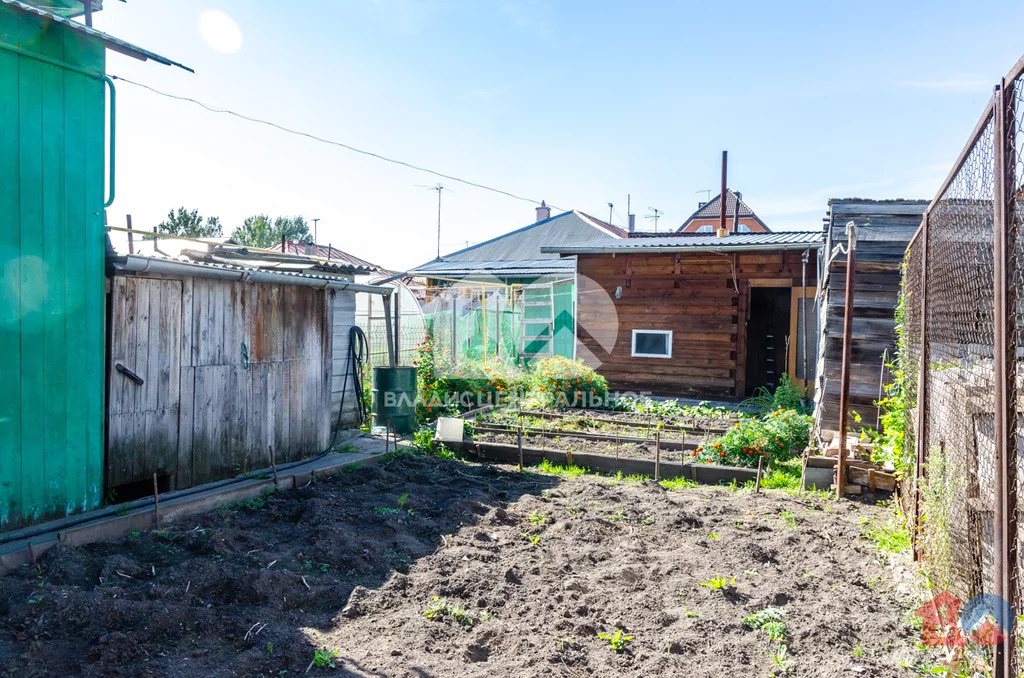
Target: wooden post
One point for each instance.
(519, 441)
(156, 503)
(273, 464)
(131, 239)
(760, 466)
(844, 392)
(657, 455)
(388, 331)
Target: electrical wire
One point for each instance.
(330, 142)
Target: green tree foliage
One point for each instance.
(259, 231)
(186, 224)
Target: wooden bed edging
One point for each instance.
(705, 474)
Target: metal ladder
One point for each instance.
(539, 329)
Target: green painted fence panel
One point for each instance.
(565, 322)
(52, 164)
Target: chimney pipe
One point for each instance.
(543, 212)
(632, 223)
(736, 214)
(722, 202)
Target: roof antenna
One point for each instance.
(439, 188)
(655, 214)
(707, 195)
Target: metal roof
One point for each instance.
(496, 268)
(112, 43)
(525, 244)
(692, 242)
(880, 221)
(65, 8)
(713, 209)
(329, 252)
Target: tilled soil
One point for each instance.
(568, 442)
(541, 564)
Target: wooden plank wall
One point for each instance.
(701, 297)
(51, 272)
(342, 378)
(255, 372)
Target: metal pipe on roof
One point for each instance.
(133, 263)
(722, 202)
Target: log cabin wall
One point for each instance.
(227, 368)
(702, 297)
(884, 228)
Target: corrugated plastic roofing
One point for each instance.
(768, 241)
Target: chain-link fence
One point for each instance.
(964, 341)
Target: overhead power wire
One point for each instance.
(331, 142)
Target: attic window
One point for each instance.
(652, 344)
(743, 228)
(706, 228)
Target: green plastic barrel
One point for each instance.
(394, 398)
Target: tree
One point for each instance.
(258, 231)
(189, 225)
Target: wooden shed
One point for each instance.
(54, 186)
(884, 228)
(697, 315)
(212, 361)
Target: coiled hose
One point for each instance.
(358, 352)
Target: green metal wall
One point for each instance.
(565, 323)
(51, 272)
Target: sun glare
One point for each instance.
(220, 31)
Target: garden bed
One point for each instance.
(528, 569)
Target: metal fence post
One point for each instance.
(1004, 361)
(922, 393)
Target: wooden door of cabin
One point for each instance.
(144, 374)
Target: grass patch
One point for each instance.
(890, 535)
(547, 468)
(678, 483)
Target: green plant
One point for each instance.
(788, 518)
(616, 641)
(785, 397)
(780, 660)
(776, 436)
(714, 535)
(538, 518)
(769, 620)
(890, 535)
(718, 583)
(561, 382)
(270, 647)
(548, 468)
(691, 613)
(563, 644)
(439, 609)
(534, 539)
(678, 483)
(403, 500)
(324, 659)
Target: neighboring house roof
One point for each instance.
(692, 242)
(505, 269)
(112, 43)
(328, 252)
(713, 210)
(525, 244)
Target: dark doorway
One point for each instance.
(767, 331)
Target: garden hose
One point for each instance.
(358, 352)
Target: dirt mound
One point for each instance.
(429, 567)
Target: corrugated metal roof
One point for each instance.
(893, 221)
(690, 241)
(328, 252)
(713, 209)
(525, 243)
(112, 43)
(497, 268)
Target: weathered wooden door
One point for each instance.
(145, 346)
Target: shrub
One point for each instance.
(776, 436)
(561, 382)
(785, 397)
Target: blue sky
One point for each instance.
(577, 103)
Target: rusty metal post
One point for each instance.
(844, 383)
(156, 503)
(760, 470)
(722, 202)
(921, 435)
(657, 455)
(519, 442)
(1003, 362)
(398, 334)
(131, 240)
(273, 464)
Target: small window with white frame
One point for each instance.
(652, 344)
(705, 228)
(743, 228)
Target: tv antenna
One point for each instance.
(315, 222)
(707, 194)
(439, 188)
(655, 215)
